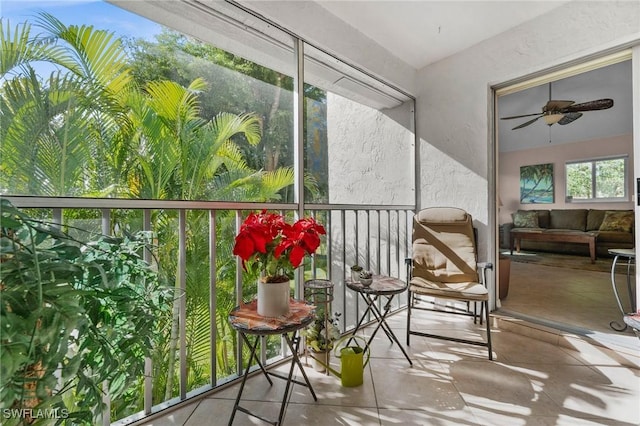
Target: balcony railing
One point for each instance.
(197, 232)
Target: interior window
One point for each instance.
(602, 179)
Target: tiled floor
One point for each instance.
(551, 378)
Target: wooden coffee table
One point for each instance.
(582, 238)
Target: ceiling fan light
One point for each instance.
(552, 118)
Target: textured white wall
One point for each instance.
(370, 155)
(453, 102)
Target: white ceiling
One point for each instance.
(421, 32)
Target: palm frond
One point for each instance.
(18, 48)
(276, 180)
(228, 125)
(95, 55)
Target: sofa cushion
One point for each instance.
(543, 218)
(621, 221)
(525, 219)
(594, 219)
(569, 219)
(615, 237)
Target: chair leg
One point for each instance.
(485, 306)
(409, 303)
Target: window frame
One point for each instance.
(593, 161)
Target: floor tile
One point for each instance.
(561, 380)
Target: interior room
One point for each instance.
(168, 164)
(528, 140)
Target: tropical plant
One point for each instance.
(91, 129)
(75, 317)
(75, 120)
(321, 334)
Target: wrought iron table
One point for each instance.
(246, 321)
(381, 286)
(630, 256)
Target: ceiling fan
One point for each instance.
(562, 112)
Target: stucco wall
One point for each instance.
(558, 155)
(370, 155)
(453, 101)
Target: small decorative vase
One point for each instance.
(355, 276)
(319, 360)
(366, 282)
(273, 298)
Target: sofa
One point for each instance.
(559, 230)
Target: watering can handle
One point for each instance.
(347, 338)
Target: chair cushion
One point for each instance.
(460, 291)
(441, 215)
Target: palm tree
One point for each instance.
(54, 130)
(89, 130)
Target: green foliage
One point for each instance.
(239, 86)
(596, 179)
(319, 335)
(73, 316)
(175, 119)
(579, 180)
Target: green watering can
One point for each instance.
(352, 361)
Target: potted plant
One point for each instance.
(355, 272)
(320, 336)
(366, 278)
(272, 248)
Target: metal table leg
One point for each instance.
(293, 343)
(615, 325)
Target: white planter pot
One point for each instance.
(319, 360)
(355, 276)
(273, 299)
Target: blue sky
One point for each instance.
(92, 12)
(78, 12)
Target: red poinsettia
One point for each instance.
(267, 242)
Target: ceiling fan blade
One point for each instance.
(557, 105)
(520, 116)
(590, 106)
(526, 124)
(569, 117)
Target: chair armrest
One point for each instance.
(409, 262)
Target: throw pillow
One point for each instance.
(525, 219)
(617, 221)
